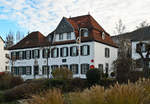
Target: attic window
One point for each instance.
(103, 35)
(84, 32)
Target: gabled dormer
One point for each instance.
(64, 31)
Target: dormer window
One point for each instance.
(103, 35)
(60, 36)
(84, 32)
(69, 36)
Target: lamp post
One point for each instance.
(78, 42)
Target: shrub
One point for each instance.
(93, 76)
(62, 73)
(23, 91)
(50, 97)
(78, 84)
(127, 94)
(94, 95)
(7, 81)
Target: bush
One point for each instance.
(62, 73)
(8, 81)
(94, 95)
(93, 76)
(66, 85)
(23, 91)
(127, 94)
(50, 97)
(78, 84)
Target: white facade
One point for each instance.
(97, 54)
(4, 62)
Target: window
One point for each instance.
(45, 70)
(143, 48)
(106, 68)
(85, 50)
(13, 55)
(64, 52)
(100, 67)
(17, 55)
(64, 66)
(54, 52)
(69, 36)
(15, 70)
(60, 36)
(84, 68)
(73, 51)
(28, 54)
(84, 32)
(74, 68)
(107, 52)
(28, 70)
(53, 67)
(20, 55)
(103, 35)
(20, 70)
(36, 53)
(45, 53)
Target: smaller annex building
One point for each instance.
(78, 43)
(4, 61)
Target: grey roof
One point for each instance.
(136, 35)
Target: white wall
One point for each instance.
(3, 59)
(99, 55)
(56, 61)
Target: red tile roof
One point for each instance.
(32, 40)
(95, 30)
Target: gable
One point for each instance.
(2, 39)
(64, 27)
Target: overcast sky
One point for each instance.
(44, 15)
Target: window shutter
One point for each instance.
(33, 54)
(43, 51)
(77, 69)
(108, 52)
(70, 51)
(67, 51)
(81, 50)
(57, 52)
(52, 52)
(30, 55)
(61, 52)
(88, 50)
(38, 53)
(11, 55)
(81, 68)
(77, 52)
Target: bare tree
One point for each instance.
(18, 36)
(143, 24)
(144, 48)
(9, 40)
(120, 27)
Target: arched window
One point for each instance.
(84, 32)
(103, 35)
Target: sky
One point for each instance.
(44, 15)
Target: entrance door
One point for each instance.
(36, 70)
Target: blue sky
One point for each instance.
(44, 15)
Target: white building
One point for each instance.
(96, 49)
(4, 62)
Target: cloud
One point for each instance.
(44, 15)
